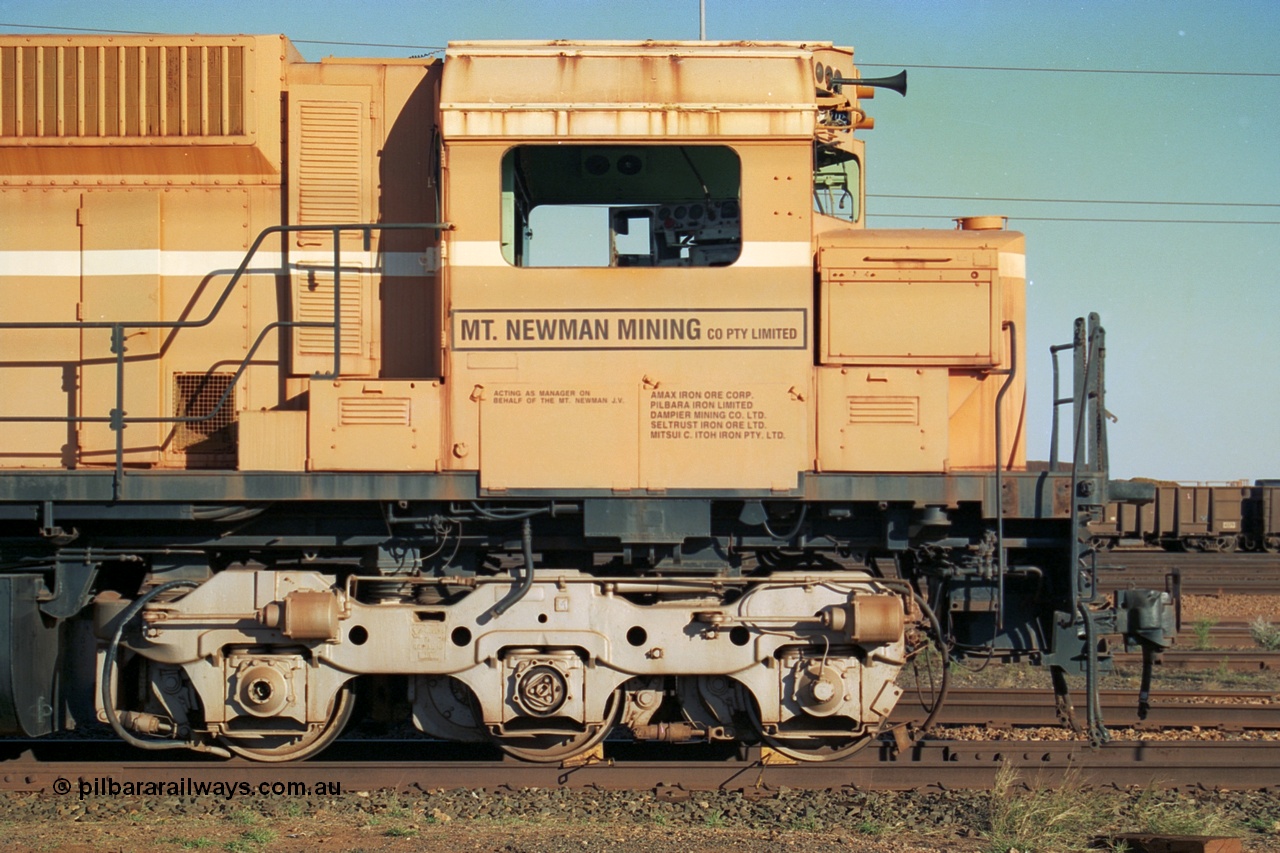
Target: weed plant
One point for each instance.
(1064, 817)
(1265, 634)
(1202, 629)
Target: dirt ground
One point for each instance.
(555, 821)
(318, 834)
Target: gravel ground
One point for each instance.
(555, 821)
(1230, 608)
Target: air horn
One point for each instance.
(897, 82)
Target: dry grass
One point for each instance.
(1265, 634)
(1072, 817)
(1163, 813)
(1064, 817)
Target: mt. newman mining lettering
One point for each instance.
(707, 328)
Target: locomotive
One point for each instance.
(550, 391)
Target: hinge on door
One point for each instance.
(373, 110)
(80, 216)
(79, 312)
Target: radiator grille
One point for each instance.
(196, 395)
(884, 410)
(67, 91)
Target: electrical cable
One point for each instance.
(1002, 68)
(108, 674)
(1092, 219)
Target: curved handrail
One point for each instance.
(117, 418)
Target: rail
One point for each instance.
(117, 419)
(420, 764)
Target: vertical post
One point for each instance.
(1085, 455)
(184, 94)
(60, 86)
(337, 304)
(1102, 458)
(41, 94)
(122, 97)
(118, 413)
(162, 91)
(81, 96)
(204, 90)
(1001, 561)
(19, 93)
(102, 91)
(224, 120)
(1058, 403)
(142, 91)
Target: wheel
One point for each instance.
(806, 744)
(1271, 544)
(1227, 544)
(290, 747)
(452, 712)
(552, 748)
(817, 749)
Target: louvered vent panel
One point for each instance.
(374, 411)
(315, 305)
(329, 168)
(197, 395)
(884, 410)
(103, 91)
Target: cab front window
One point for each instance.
(621, 206)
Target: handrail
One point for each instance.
(117, 418)
(1088, 457)
(1009, 373)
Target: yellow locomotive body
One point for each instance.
(360, 331)
(139, 171)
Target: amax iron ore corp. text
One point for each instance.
(708, 415)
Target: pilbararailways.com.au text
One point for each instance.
(109, 786)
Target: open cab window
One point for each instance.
(836, 178)
(621, 206)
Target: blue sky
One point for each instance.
(1192, 309)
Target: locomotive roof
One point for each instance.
(583, 89)
(635, 88)
(630, 47)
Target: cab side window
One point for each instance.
(621, 206)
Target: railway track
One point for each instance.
(84, 768)
(1187, 660)
(1201, 660)
(939, 764)
(1201, 574)
(1226, 711)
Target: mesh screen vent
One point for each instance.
(196, 395)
